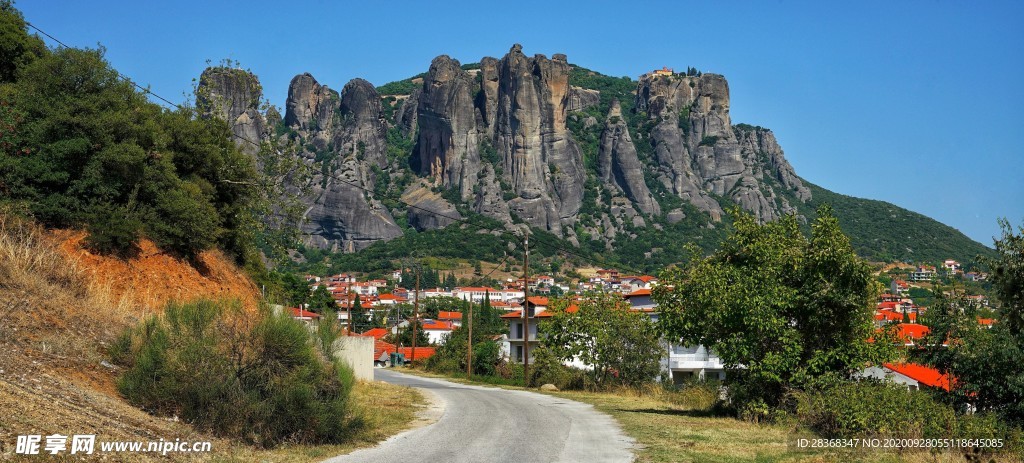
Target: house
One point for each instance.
(376, 333)
(629, 284)
(923, 273)
(912, 375)
(688, 362)
(436, 330)
(899, 287)
(544, 280)
(951, 266)
(640, 300)
(978, 300)
(664, 71)
(475, 294)
(436, 292)
(986, 322)
(975, 276)
(455, 318)
(303, 315)
(536, 309)
(388, 299)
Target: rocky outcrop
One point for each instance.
(699, 152)
(582, 98)
(233, 95)
(310, 106)
(541, 161)
(515, 109)
(618, 165)
(427, 210)
(342, 138)
(448, 145)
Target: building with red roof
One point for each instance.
(304, 315)
(912, 375)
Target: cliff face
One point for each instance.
(233, 95)
(516, 107)
(619, 166)
(699, 151)
(493, 138)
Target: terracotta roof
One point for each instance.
(922, 374)
(912, 331)
(538, 300)
(437, 325)
(519, 314)
(376, 333)
(445, 315)
(422, 353)
(389, 297)
(300, 313)
(639, 292)
(986, 321)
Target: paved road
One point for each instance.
(495, 425)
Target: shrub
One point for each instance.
(878, 409)
(260, 378)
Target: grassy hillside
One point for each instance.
(886, 232)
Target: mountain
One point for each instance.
(613, 167)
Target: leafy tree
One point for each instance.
(1008, 277)
(321, 301)
(17, 47)
(985, 361)
(93, 152)
(781, 310)
(404, 336)
(621, 344)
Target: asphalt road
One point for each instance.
(482, 424)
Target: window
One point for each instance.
(519, 353)
(519, 331)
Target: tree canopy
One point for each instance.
(81, 147)
(622, 345)
(780, 309)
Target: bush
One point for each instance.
(877, 409)
(546, 368)
(260, 378)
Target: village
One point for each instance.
(384, 308)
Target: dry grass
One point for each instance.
(60, 306)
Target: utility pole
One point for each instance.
(526, 308)
(415, 313)
(469, 351)
(348, 300)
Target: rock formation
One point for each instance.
(699, 152)
(233, 95)
(618, 164)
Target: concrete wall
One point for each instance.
(357, 351)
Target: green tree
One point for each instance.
(360, 319)
(985, 361)
(781, 310)
(621, 344)
(321, 301)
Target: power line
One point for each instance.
(462, 220)
(122, 76)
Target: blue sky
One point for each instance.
(917, 103)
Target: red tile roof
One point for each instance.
(912, 331)
(376, 333)
(639, 292)
(519, 314)
(986, 321)
(300, 313)
(922, 374)
(538, 300)
(422, 353)
(437, 325)
(445, 315)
